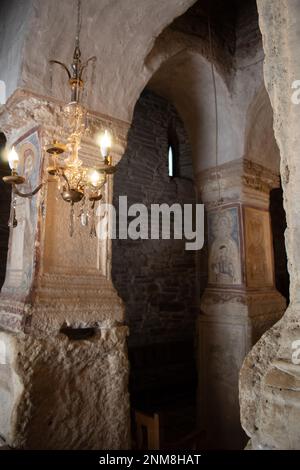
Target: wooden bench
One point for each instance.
(147, 431)
(151, 435)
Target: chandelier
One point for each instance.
(77, 184)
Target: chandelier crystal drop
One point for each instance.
(77, 184)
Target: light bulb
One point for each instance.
(13, 159)
(96, 179)
(105, 143)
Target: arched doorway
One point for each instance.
(157, 278)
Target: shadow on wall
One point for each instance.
(5, 198)
(278, 222)
(262, 147)
(156, 278)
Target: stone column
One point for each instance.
(270, 377)
(241, 301)
(64, 367)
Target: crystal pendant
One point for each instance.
(93, 233)
(72, 220)
(12, 218)
(84, 219)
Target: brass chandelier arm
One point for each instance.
(95, 198)
(62, 65)
(32, 193)
(66, 180)
(84, 66)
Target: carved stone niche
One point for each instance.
(241, 301)
(65, 363)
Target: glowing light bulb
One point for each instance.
(105, 143)
(13, 159)
(95, 178)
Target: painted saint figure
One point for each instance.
(22, 237)
(224, 256)
(258, 267)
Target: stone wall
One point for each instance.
(15, 17)
(61, 319)
(156, 278)
(269, 379)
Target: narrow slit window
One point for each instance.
(171, 161)
(173, 151)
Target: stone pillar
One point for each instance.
(270, 377)
(64, 366)
(240, 302)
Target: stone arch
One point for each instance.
(109, 32)
(183, 76)
(185, 79)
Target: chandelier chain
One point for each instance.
(78, 30)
